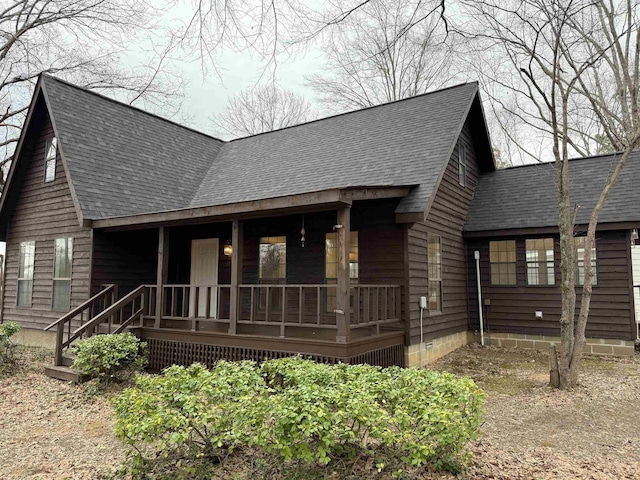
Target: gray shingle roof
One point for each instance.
(526, 197)
(396, 144)
(123, 161)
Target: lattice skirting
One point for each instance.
(163, 353)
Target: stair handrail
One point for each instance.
(108, 312)
(82, 307)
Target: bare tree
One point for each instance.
(80, 40)
(262, 109)
(381, 54)
(567, 64)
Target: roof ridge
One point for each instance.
(459, 85)
(131, 107)
(574, 159)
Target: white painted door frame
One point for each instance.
(204, 272)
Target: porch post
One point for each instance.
(161, 277)
(343, 293)
(237, 239)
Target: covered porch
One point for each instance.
(323, 282)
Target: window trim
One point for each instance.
(594, 261)
(25, 279)
(438, 279)
(67, 307)
(462, 164)
(48, 159)
(515, 263)
(539, 262)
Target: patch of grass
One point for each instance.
(508, 384)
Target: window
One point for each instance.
(580, 271)
(434, 265)
(25, 273)
(539, 257)
(331, 264)
(462, 164)
(50, 153)
(502, 257)
(273, 259)
(272, 270)
(62, 260)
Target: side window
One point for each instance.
(25, 273)
(331, 264)
(62, 261)
(50, 153)
(434, 265)
(462, 164)
(539, 255)
(580, 270)
(502, 257)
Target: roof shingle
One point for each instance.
(123, 161)
(527, 197)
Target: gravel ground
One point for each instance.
(53, 430)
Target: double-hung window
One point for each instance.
(25, 273)
(331, 264)
(62, 261)
(539, 256)
(580, 270)
(272, 269)
(502, 257)
(50, 153)
(434, 265)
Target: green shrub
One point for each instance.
(7, 347)
(109, 356)
(296, 409)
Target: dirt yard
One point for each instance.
(53, 430)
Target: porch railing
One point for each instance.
(283, 305)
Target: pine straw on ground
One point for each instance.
(53, 430)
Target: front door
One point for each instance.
(204, 273)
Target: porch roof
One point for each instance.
(125, 162)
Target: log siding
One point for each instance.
(42, 213)
(445, 218)
(512, 308)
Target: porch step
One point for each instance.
(62, 372)
(67, 359)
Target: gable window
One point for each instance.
(62, 261)
(50, 153)
(25, 273)
(331, 264)
(502, 257)
(272, 269)
(580, 270)
(434, 265)
(462, 164)
(539, 255)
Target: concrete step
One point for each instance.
(62, 372)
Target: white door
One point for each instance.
(204, 272)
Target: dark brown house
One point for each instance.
(512, 222)
(319, 239)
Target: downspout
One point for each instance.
(476, 255)
(423, 306)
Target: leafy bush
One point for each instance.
(109, 356)
(7, 347)
(296, 409)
